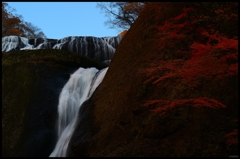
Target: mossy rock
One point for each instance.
(31, 83)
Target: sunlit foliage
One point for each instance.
(15, 25)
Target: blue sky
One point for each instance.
(61, 19)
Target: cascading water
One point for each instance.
(100, 49)
(82, 83)
(78, 89)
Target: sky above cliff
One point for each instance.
(61, 19)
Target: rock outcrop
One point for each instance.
(151, 103)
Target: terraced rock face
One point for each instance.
(100, 49)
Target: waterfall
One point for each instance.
(100, 49)
(78, 89)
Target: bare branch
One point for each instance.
(121, 14)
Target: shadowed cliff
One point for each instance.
(171, 87)
(31, 84)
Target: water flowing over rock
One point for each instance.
(10, 43)
(78, 89)
(98, 48)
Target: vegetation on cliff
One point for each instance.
(171, 89)
(31, 84)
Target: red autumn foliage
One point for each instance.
(172, 23)
(199, 49)
(219, 60)
(174, 35)
(167, 69)
(184, 14)
(232, 138)
(197, 66)
(164, 105)
(210, 54)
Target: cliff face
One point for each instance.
(171, 87)
(31, 84)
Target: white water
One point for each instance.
(78, 89)
(100, 49)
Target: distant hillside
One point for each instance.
(171, 89)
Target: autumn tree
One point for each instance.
(10, 23)
(196, 59)
(121, 14)
(122, 33)
(15, 25)
(32, 31)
